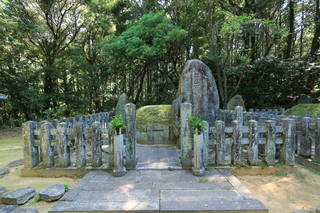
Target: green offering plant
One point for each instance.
(117, 123)
(197, 124)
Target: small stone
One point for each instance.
(7, 208)
(18, 197)
(24, 210)
(4, 171)
(52, 193)
(2, 189)
(15, 163)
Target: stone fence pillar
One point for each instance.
(130, 137)
(118, 154)
(186, 135)
(198, 168)
(31, 152)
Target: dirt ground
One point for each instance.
(281, 193)
(284, 192)
(10, 150)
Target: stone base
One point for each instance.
(119, 172)
(198, 172)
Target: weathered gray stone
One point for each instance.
(52, 193)
(236, 100)
(15, 163)
(198, 168)
(130, 137)
(47, 151)
(25, 210)
(118, 154)
(63, 148)
(236, 147)
(120, 108)
(186, 135)
(270, 146)
(80, 145)
(221, 147)
(7, 208)
(287, 152)
(317, 141)
(198, 87)
(253, 142)
(18, 197)
(30, 151)
(94, 139)
(2, 189)
(4, 171)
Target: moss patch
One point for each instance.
(154, 114)
(312, 110)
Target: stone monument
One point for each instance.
(198, 87)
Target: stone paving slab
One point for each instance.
(159, 191)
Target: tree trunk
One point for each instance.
(290, 37)
(316, 37)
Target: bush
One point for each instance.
(117, 123)
(197, 124)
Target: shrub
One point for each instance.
(117, 123)
(197, 123)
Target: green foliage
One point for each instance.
(117, 123)
(197, 123)
(37, 198)
(66, 187)
(155, 114)
(304, 110)
(203, 180)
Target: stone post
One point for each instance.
(47, 152)
(270, 146)
(63, 148)
(31, 152)
(94, 137)
(221, 146)
(198, 168)
(253, 142)
(185, 135)
(306, 142)
(317, 141)
(236, 147)
(118, 153)
(239, 115)
(206, 144)
(80, 145)
(130, 121)
(287, 152)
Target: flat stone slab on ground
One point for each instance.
(4, 171)
(24, 210)
(52, 193)
(15, 163)
(157, 191)
(7, 208)
(18, 197)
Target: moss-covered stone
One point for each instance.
(310, 110)
(154, 114)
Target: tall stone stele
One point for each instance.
(198, 87)
(121, 104)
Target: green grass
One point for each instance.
(10, 149)
(203, 180)
(281, 173)
(66, 187)
(155, 114)
(301, 176)
(303, 110)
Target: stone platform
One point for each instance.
(159, 191)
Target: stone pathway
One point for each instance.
(157, 157)
(159, 191)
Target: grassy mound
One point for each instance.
(311, 110)
(154, 114)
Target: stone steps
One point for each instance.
(159, 191)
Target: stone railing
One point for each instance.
(247, 138)
(82, 141)
(306, 130)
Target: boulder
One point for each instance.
(24, 210)
(4, 171)
(18, 197)
(2, 189)
(52, 193)
(15, 163)
(236, 100)
(7, 208)
(198, 87)
(120, 108)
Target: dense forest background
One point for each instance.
(66, 57)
